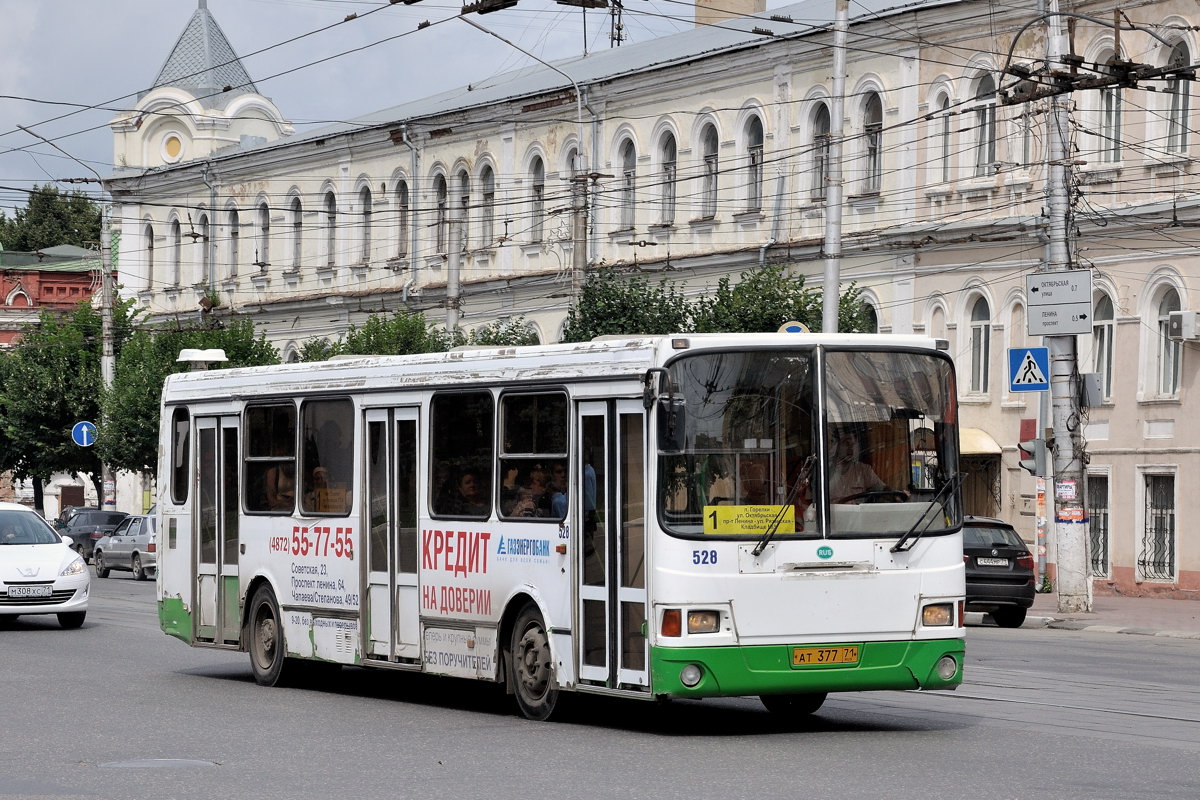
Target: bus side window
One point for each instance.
(270, 469)
(462, 454)
(533, 458)
(328, 458)
(181, 426)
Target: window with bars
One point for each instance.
(1097, 505)
(1156, 551)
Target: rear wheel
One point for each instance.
(139, 574)
(71, 619)
(530, 666)
(793, 704)
(1010, 617)
(264, 639)
(101, 567)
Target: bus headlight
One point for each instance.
(703, 622)
(937, 614)
(690, 675)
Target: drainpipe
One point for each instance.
(762, 251)
(412, 213)
(210, 242)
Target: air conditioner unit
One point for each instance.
(1183, 325)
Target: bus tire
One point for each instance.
(531, 667)
(793, 704)
(264, 638)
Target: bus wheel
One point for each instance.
(794, 704)
(265, 638)
(530, 669)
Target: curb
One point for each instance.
(982, 619)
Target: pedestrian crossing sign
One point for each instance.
(1028, 369)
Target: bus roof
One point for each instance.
(607, 358)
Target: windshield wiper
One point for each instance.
(913, 534)
(789, 502)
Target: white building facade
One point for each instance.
(705, 154)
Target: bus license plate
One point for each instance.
(841, 654)
(984, 561)
(29, 591)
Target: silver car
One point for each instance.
(132, 546)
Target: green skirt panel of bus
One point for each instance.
(786, 669)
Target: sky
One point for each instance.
(68, 67)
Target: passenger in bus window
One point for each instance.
(849, 476)
(539, 488)
(280, 483)
(472, 499)
(558, 491)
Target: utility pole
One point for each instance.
(1070, 517)
(108, 360)
(831, 288)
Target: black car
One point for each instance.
(1000, 573)
(88, 527)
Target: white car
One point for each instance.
(132, 546)
(39, 572)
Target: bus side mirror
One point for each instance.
(672, 424)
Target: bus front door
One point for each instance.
(390, 604)
(611, 614)
(218, 617)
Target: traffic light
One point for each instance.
(1031, 449)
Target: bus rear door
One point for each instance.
(612, 647)
(216, 522)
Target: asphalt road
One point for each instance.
(119, 710)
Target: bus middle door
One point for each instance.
(611, 641)
(391, 609)
(219, 613)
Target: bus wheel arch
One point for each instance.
(529, 660)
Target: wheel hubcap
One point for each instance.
(533, 658)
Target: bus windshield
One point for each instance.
(749, 445)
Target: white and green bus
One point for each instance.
(690, 516)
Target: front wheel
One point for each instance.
(101, 567)
(139, 574)
(71, 619)
(793, 704)
(531, 666)
(264, 639)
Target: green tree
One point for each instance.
(513, 333)
(50, 219)
(403, 333)
(610, 304)
(763, 299)
(128, 439)
(52, 381)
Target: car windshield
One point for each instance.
(25, 527)
(991, 536)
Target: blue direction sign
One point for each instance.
(84, 434)
(1028, 369)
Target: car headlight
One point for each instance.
(76, 567)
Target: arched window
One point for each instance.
(235, 232)
(364, 239)
(985, 125)
(297, 214)
(463, 187)
(873, 142)
(206, 243)
(330, 229)
(487, 206)
(537, 198)
(820, 147)
(668, 156)
(981, 345)
(708, 151)
(1102, 343)
(628, 185)
(872, 318)
(754, 164)
(149, 236)
(945, 153)
(1110, 117)
(176, 253)
(1170, 353)
(402, 219)
(1179, 89)
(262, 255)
(441, 224)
